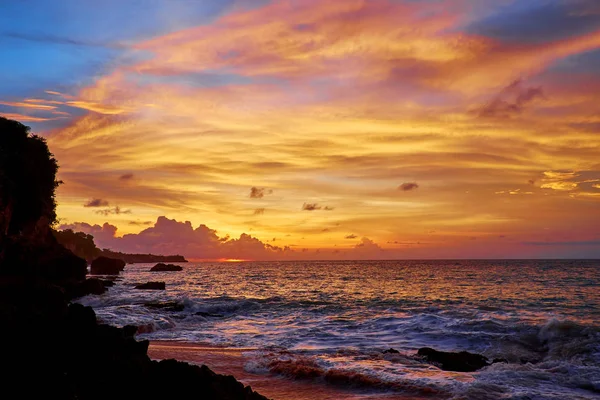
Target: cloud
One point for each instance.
(259, 193)
(53, 39)
(44, 107)
(140, 223)
(259, 211)
(350, 236)
(565, 243)
(104, 235)
(311, 206)
(408, 186)
(540, 22)
(112, 211)
(126, 177)
(96, 203)
(512, 100)
(169, 236)
(25, 118)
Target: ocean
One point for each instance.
(329, 322)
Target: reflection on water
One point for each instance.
(330, 321)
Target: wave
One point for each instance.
(300, 367)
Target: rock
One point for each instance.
(89, 286)
(167, 306)
(461, 362)
(107, 266)
(205, 314)
(160, 267)
(391, 351)
(151, 286)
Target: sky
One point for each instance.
(308, 129)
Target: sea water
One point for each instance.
(330, 322)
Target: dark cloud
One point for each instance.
(311, 206)
(536, 22)
(96, 203)
(53, 39)
(259, 193)
(566, 243)
(259, 211)
(140, 223)
(593, 127)
(511, 101)
(531, 182)
(315, 207)
(407, 186)
(353, 236)
(115, 210)
(126, 177)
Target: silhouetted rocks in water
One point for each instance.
(107, 266)
(151, 286)
(391, 351)
(160, 267)
(167, 306)
(460, 362)
(206, 314)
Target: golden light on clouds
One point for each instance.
(337, 104)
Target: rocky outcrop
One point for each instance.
(449, 361)
(151, 286)
(107, 266)
(160, 267)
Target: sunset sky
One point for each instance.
(305, 129)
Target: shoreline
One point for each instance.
(232, 361)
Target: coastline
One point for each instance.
(232, 361)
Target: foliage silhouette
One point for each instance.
(27, 179)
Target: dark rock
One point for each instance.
(205, 314)
(151, 286)
(391, 351)
(89, 286)
(461, 362)
(190, 378)
(167, 306)
(130, 330)
(107, 266)
(160, 267)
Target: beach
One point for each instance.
(232, 361)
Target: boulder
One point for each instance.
(89, 286)
(161, 267)
(151, 286)
(391, 351)
(448, 361)
(107, 266)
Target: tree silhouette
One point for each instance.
(27, 179)
(81, 244)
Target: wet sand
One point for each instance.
(231, 361)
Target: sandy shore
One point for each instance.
(231, 361)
